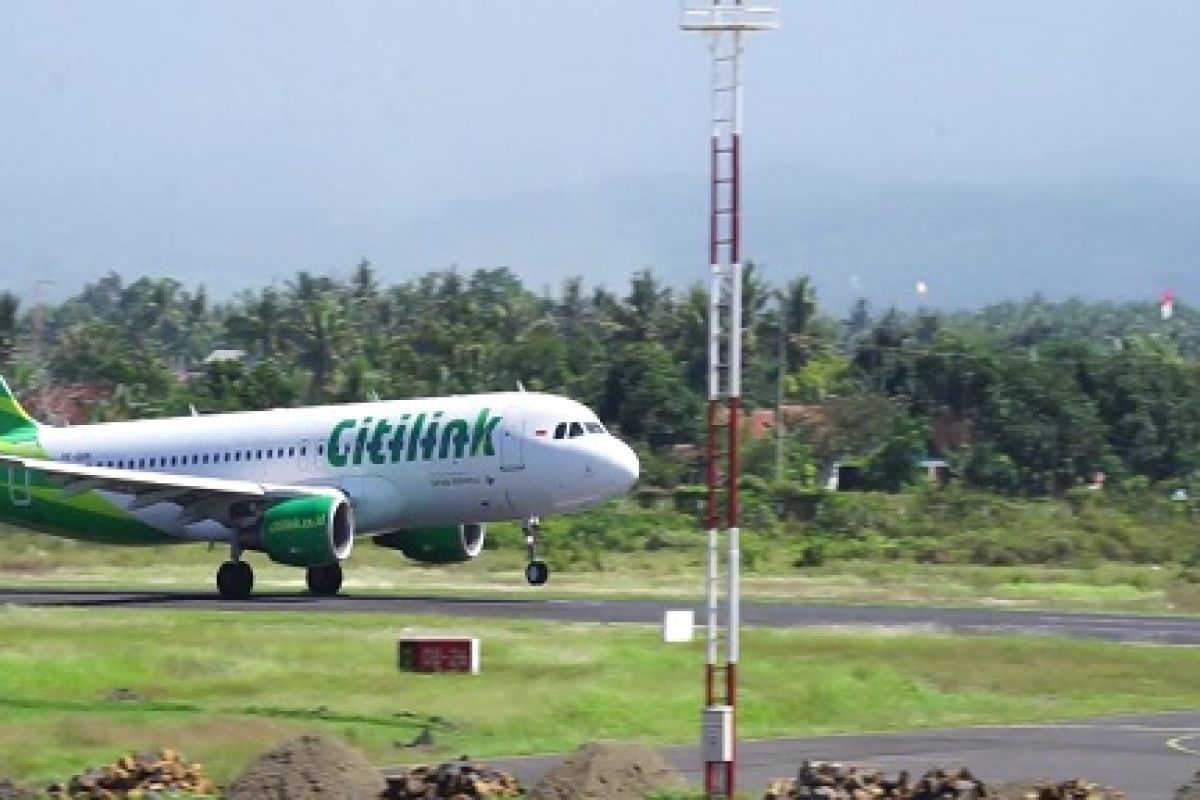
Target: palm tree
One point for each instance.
(319, 333)
(259, 327)
(10, 305)
(798, 307)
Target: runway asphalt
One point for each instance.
(1148, 757)
(1112, 627)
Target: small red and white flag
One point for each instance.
(1166, 305)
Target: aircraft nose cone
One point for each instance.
(625, 467)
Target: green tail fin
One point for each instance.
(15, 423)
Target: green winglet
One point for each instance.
(15, 422)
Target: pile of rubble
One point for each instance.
(135, 776)
(825, 780)
(11, 791)
(452, 781)
(1189, 791)
(1077, 789)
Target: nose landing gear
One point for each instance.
(537, 572)
(325, 581)
(235, 578)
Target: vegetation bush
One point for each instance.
(1050, 394)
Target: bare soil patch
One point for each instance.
(311, 766)
(608, 772)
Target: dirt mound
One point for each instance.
(608, 772)
(311, 766)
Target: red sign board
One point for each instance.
(438, 654)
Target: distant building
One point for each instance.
(937, 470)
(950, 432)
(760, 422)
(66, 404)
(224, 355)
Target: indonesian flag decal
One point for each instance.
(540, 432)
(1166, 304)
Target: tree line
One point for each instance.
(1043, 395)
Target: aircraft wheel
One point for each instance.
(324, 581)
(235, 580)
(537, 573)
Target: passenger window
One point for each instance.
(560, 431)
(291, 451)
(576, 430)
(259, 455)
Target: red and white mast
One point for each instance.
(726, 24)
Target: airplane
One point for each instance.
(420, 476)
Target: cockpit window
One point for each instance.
(560, 430)
(576, 430)
(594, 427)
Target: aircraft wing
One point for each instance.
(221, 499)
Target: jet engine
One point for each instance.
(451, 544)
(308, 531)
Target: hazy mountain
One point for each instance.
(972, 243)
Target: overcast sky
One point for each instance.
(135, 132)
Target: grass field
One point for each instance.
(80, 687)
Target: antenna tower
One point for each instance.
(726, 24)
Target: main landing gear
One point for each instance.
(235, 580)
(537, 572)
(325, 581)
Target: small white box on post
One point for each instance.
(718, 734)
(679, 625)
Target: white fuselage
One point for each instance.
(403, 464)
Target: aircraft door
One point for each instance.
(512, 441)
(19, 490)
(305, 456)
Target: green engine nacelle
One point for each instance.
(308, 531)
(452, 544)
